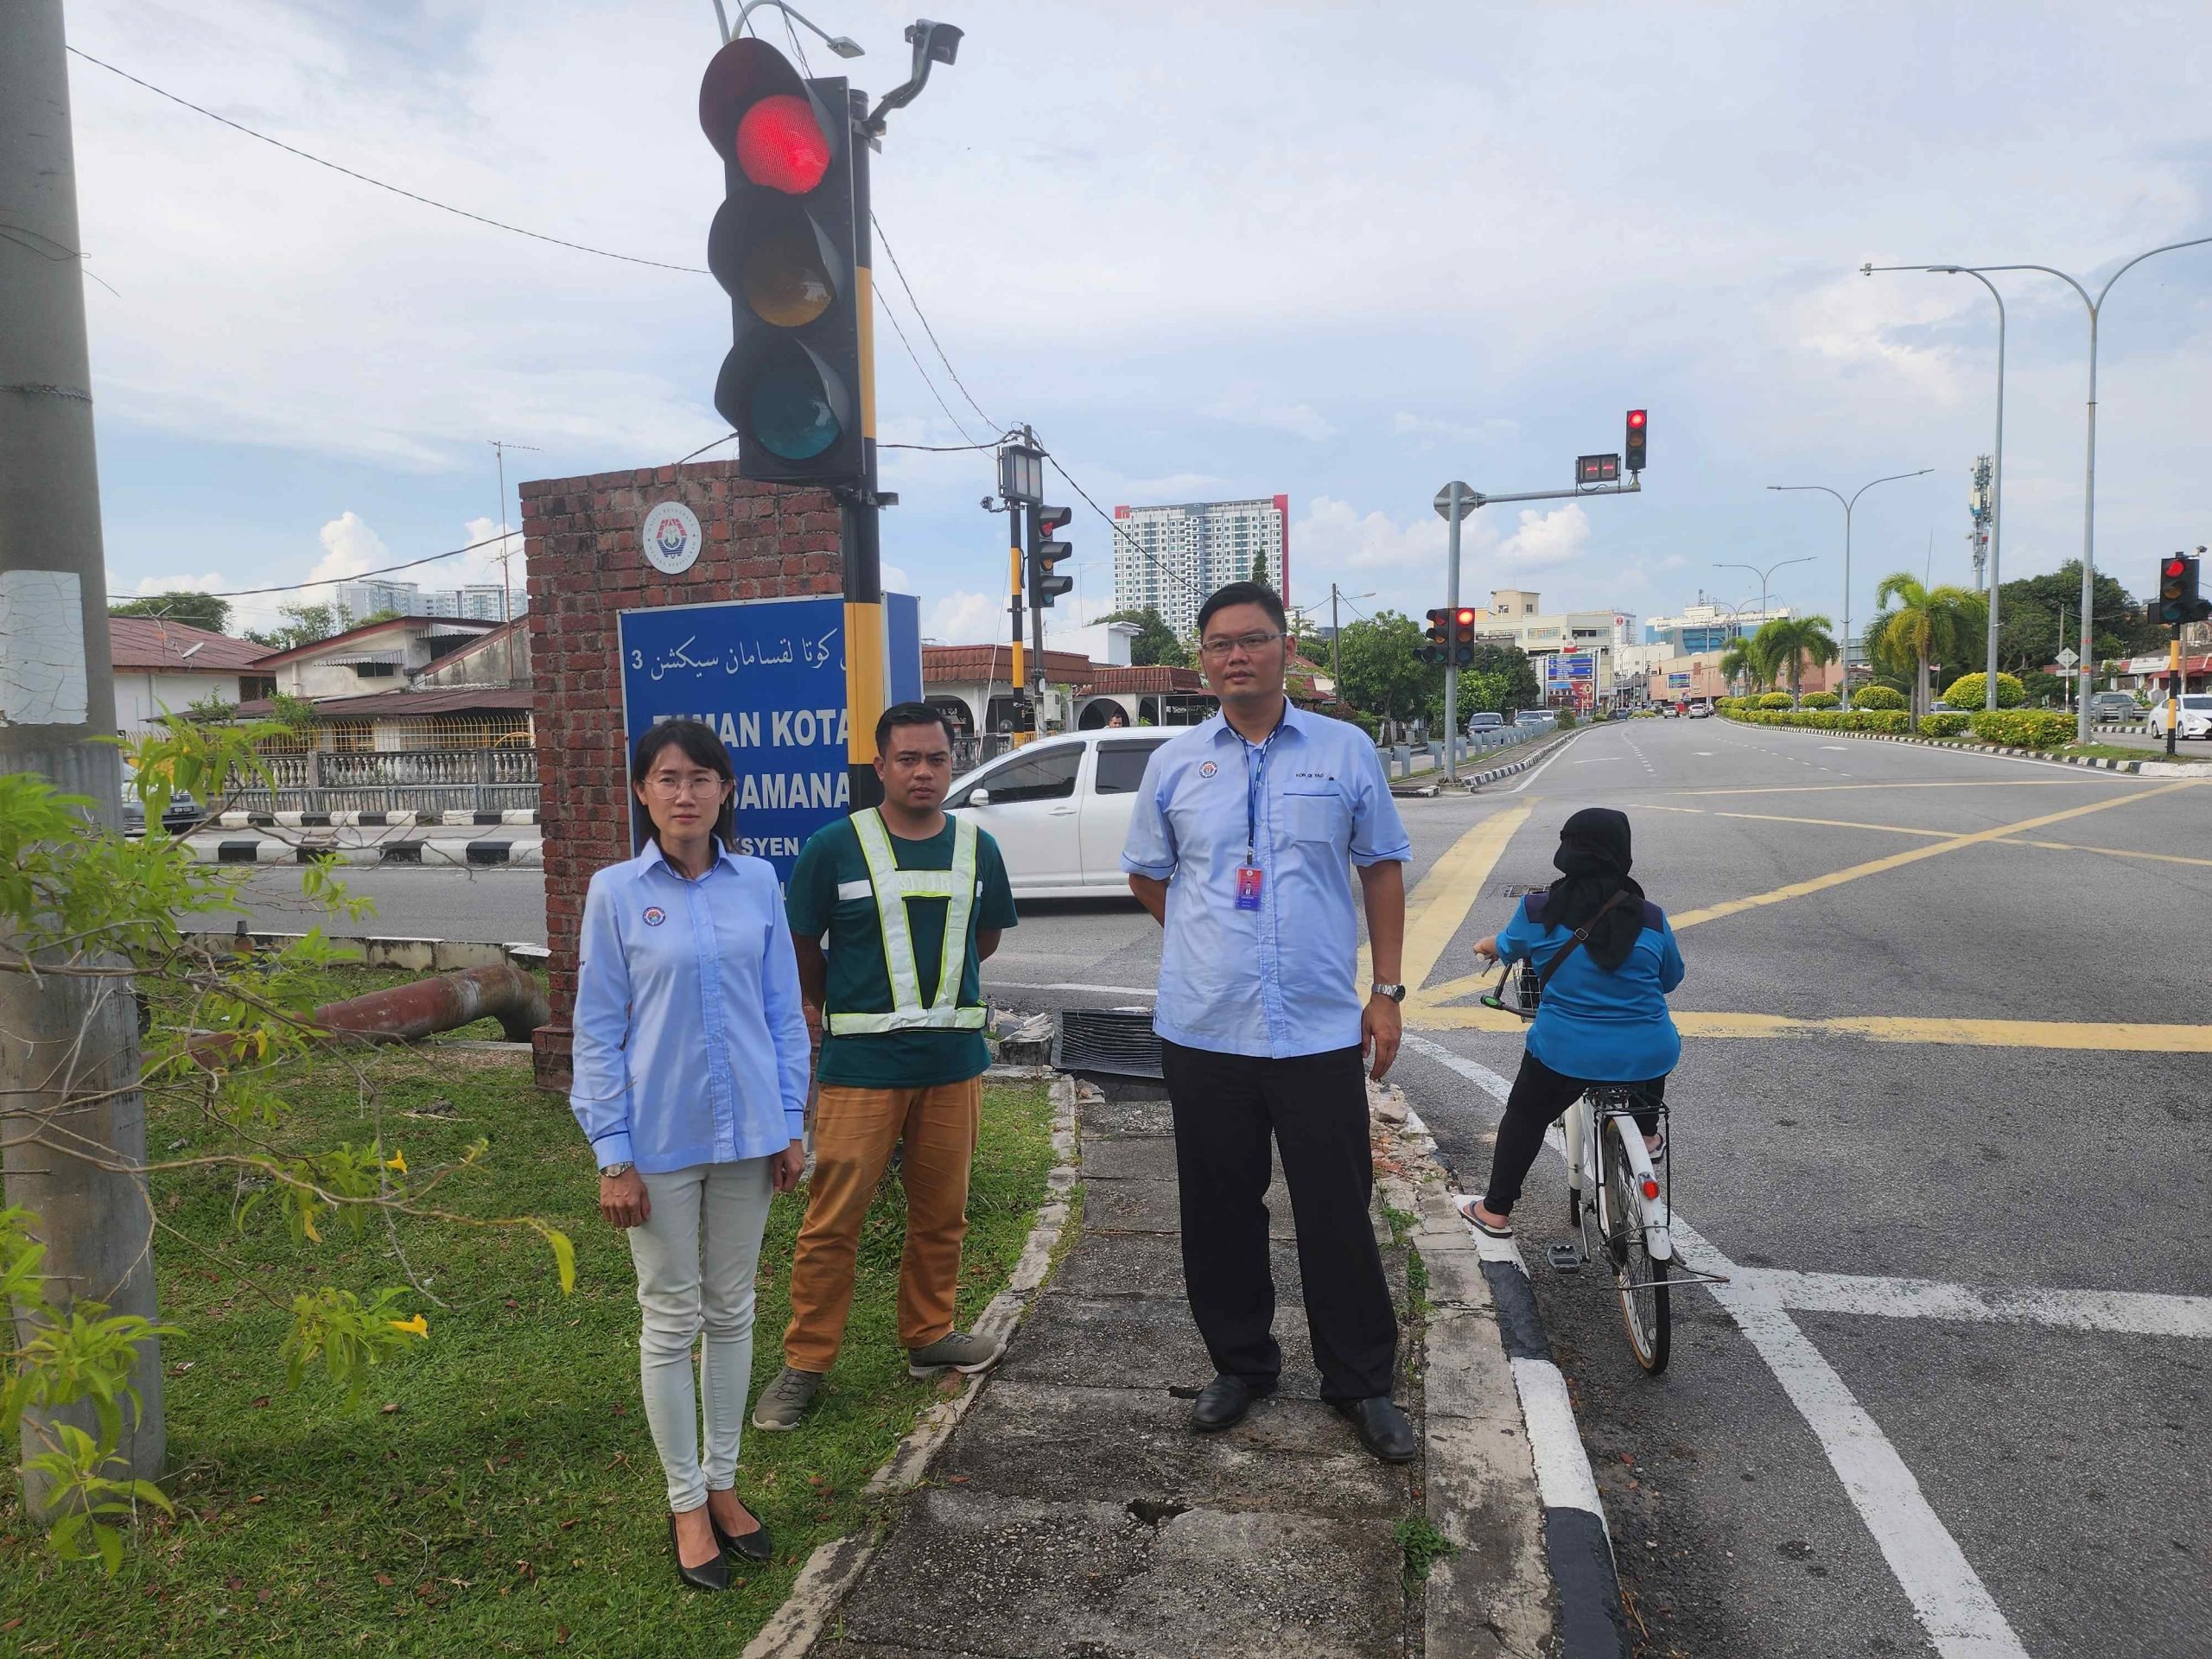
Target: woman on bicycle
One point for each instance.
(1603, 1017)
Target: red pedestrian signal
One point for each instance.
(788, 245)
(1639, 431)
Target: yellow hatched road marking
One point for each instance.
(1898, 860)
(1439, 906)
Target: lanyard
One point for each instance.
(1255, 776)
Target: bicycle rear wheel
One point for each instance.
(1646, 1309)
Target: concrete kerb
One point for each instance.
(1508, 1481)
(267, 845)
(381, 950)
(835, 1567)
(1406, 788)
(2149, 766)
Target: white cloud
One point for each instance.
(350, 547)
(965, 618)
(1546, 538)
(1335, 534)
(1245, 406)
(1496, 430)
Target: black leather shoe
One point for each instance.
(1383, 1429)
(742, 1548)
(1224, 1402)
(711, 1575)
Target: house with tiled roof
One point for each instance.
(164, 666)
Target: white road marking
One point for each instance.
(2140, 1314)
(1149, 995)
(1707, 753)
(1947, 1595)
(1595, 759)
(1546, 764)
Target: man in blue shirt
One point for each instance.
(1240, 845)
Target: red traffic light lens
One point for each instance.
(2175, 567)
(781, 145)
(1636, 418)
(1465, 618)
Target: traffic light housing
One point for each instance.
(785, 245)
(1638, 429)
(1463, 639)
(1044, 553)
(1436, 647)
(2179, 600)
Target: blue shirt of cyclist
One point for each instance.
(1608, 1027)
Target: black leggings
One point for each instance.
(1538, 1096)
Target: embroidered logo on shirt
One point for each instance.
(655, 915)
(1208, 770)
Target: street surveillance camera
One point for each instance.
(938, 42)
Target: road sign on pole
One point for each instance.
(2068, 656)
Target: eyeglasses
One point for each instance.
(1247, 642)
(669, 785)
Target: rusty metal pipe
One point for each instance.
(407, 1013)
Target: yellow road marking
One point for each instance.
(1830, 789)
(1436, 908)
(1898, 860)
(2115, 1038)
(2112, 852)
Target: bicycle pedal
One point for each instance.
(1566, 1258)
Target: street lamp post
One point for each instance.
(1847, 505)
(1996, 464)
(1804, 558)
(2086, 667)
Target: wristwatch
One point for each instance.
(1396, 992)
(623, 1168)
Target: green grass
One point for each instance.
(496, 1491)
(2084, 751)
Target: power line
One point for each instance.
(900, 271)
(443, 207)
(1117, 527)
(892, 318)
(357, 575)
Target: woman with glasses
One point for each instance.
(690, 1074)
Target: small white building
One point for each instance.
(375, 657)
(165, 667)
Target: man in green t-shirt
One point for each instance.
(909, 902)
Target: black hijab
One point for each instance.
(1593, 859)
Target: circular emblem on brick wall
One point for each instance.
(671, 537)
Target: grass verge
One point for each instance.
(496, 1491)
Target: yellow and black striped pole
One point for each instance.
(863, 547)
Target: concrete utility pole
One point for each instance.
(69, 1064)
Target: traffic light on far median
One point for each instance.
(2178, 600)
(1463, 638)
(1436, 642)
(1638, 429)
(1046, 523)
(785, 245)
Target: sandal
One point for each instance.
(1466, 1206)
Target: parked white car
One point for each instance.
(1059, 809)
(2196, 715)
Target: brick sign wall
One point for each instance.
(585, 565)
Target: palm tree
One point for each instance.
(1740, 665)
(1791, 643)
(1929, 624)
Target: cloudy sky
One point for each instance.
(1342, 252)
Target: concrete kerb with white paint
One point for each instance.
(836, 1567)
(1490, 775)
(455, 820)
(478, 852)
(2149, 766)
(1509, 1482)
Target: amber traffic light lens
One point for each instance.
(783, 280)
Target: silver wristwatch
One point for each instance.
(623, 1168)
(1396, 992)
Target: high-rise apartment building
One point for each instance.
(1170, 558)
(482, 601)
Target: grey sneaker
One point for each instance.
(960, 1351)
(784, 1400)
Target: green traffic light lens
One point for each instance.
(784, 279)
(791, 416)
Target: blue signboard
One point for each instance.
(1565, 666)
(769, 677)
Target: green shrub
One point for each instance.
(1566, 719)
(1774, 700)
(1893, 722)
(2024, 729)
(1967, 693)
(1876, 697)
(1821, 700)
(1943, 725)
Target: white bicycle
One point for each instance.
(1616, 1198)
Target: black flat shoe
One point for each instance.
(713, 1574)
(1224, 1402)
(743, 1547)
(1383, 1429)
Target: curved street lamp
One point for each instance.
(1847, 505)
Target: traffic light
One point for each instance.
(1043, 553)
(2178, 600)
(785, 245)
(1463, 638)
(1638, 429)
(1436, 649)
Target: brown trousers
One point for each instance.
(854, 1130)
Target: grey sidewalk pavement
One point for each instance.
(1073, 1514)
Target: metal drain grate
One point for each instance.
(1117, 1041)
(1516, 890)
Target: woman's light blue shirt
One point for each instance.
(690, 1045)
(1607, 1026)
(1275, 980)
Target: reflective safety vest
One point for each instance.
(893, 887)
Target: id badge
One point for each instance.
(1248, 881)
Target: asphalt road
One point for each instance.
(1941, 1097)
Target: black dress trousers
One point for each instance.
(1315, 1108)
